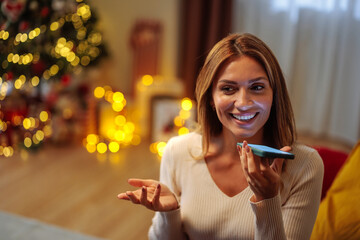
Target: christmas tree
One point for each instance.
(45, 46)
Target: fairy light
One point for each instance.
(186, 106)
(120, 134)
(62, 48)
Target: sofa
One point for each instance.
(339, 212)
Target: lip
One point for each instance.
(244, 118)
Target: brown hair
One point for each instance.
(279, 130)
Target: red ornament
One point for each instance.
(9, 76)
(38, 68)
(65, 80)
(44, 12)
(23, 26)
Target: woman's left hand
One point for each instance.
(263, 179)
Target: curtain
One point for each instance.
(203, 23)
(317, 43)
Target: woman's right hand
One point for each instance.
(152, 194)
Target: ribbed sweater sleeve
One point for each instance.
(167, 225)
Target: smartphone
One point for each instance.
(268, 152)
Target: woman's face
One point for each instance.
(242, 97)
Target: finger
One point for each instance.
(137, 182)
(132, 197)
(123, 196)
(243, 159)
(286, 149)
(252, 162)
(156, 199)
(143, 197)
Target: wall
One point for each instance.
(117, 18)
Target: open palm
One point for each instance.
(152, 194)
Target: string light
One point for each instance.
(186, 106)
(38, 128)
(121, 134)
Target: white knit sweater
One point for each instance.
(207, 213)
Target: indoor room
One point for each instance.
(92, 91)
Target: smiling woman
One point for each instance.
(211, 189)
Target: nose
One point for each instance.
(243, 100)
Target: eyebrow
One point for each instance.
(250, 81)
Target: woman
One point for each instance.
(211, 189)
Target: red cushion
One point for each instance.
(333, 161)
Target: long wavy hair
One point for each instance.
(279, 130)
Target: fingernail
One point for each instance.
(158, 186)
(143, 189)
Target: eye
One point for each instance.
(257, 87)
(228, 89)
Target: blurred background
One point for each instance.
(90, 91)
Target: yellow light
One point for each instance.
(16, 58)
(61, 42)
(35, 81)
(118, 97)
(10, 57)
(184, 114)
(35, 140)
(99, 92)
(85, 60)
(183, 131)
(54, 69)
(160, 148)
(120, 135)
(117, 106)
(26, 123)
(91, 148)
(37, 31)
(114, 147)
(39, 135)
(147, 80)
(54, 26)
(44, 116)
(71, 57)
(101, 147)
(6, 35)
(32, 122)
(3, 126)
(17, 84)
(186, 104)
(27, 142)
(92, 139)
(7, 151)
(153, 148)
(23, 37)
(120, 120)
(76, 61)
(17, 37)
(47, 130)
(178, 121)
(129, 127)
(32, 34)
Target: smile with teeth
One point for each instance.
(244, 117)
